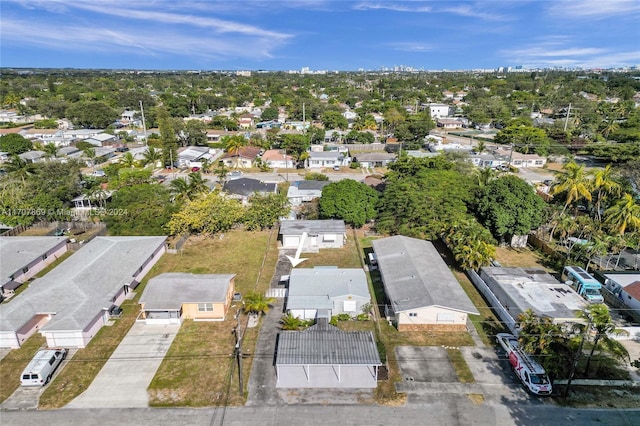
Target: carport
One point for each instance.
(325, 357)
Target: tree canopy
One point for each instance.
(349, 200)
(14, 144)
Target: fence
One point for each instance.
(15, 231)
(495, 304)
(278, 293)
(178, 245)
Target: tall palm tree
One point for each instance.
(51, 150)
(624, 214)
(179, 187)
(127, 160)
(18, 167)
(574, 181)
(152, 156)
(604, 185)
(602, 325)
(197, 185)
(221, 173)
(485, 175)
(234, 144)
(90, 153)
(474, 254)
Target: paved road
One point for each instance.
(440, 410)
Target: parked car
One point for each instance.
(336, 168)
(122, 149)
(234, 175)
(98, 173)
(41, 368)
(195, 169)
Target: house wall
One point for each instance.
(41, 262)
(68, 339)
(9, 339)
(305, 314)
(313, 243)
(31, 326)
(190, 311)
(338, 304)
(94, 326)
(326, 376)
(149, 263)
(431, 318)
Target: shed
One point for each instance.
(325, 357)
(314, 234)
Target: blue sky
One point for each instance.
(321, 35)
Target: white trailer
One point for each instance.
(530, 373)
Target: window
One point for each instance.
(205, 307)
(538, 162)
(329, 238)
(413, 314)
(349, 306)
(445, 317)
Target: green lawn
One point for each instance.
(12, 365)
(198, 370)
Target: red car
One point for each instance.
(195, 169)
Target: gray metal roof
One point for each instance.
(327, 346)
(247, 186)
(81, 286)
(415, 276)
(307, 185)
(375, 156)
(171, 290)
(297, 227)
(316, 288)
(533, 289)
(18, 252)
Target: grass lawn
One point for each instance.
(524, 258)
(345, 257)
(198, 370)
(460, 366)
(12, 365)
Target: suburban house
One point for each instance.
(304, 191)
(129, 117)
(102, 139)
(488, 160)
(245, 121)
(171, 297)
(33, 156)
(244, 158)
(70, 304)
(323, 292)
(85, 203)
(515, 290)
(24, 257)
(323, 356)
(319, 160)
(625, 287)
(193, 154)
(423, 294)
(278, 159)
(438, 110)
(519, 159)
(374, 159)
(244, 188)
(313, 234)
(449, 123)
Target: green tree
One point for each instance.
(508, 206)
(526, 139)
(334, 120)
(257, 303)
(269, 113)
(151, 156)
(207, 215)
(265, 210)
(142, 210)
(602, 327)
(18, 167)
(194, 133)
(127, 160)
(233, 145)
(51, 150)
(623, 215)
(92, 114)
(168, 139)
(13, 143)
(604, 185)
(352, 201)
(474, 254)
(289, 322)
(574, 182)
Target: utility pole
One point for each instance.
(144, 124)
(238, 352)
(566, 120)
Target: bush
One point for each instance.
(316, 176)
(343, 317)
(362, 317)
(334, 321)
(354, 165)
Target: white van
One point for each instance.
(41, 367)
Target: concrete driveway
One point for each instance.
(123, 381)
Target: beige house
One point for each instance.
(171, 297)
(423, 294)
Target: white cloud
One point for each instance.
(467, 11)
(411, 46)
(593, 9)
(414, 7)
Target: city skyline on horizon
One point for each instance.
(320, 35)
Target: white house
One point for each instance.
(70, 304)
(438, 110)
(423, 293)
(304, 191)
(312, 234)
(319, 160)
(278, 159)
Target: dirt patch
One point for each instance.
(601, 397)
(523, 258)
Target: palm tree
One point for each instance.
(257, 303)
(604, 185)
(474, 254)
(179, 187)
(485, 175)
(573, 181)
(289, 322)
(221, 173)
(152, 156)
(481, 146)
(127, 160)
(90, 153)
(51, 150)
(602, 325)
(233, 145)
(18, 167)
(624, 214)
(197, 185)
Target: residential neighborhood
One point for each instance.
(327, 250)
